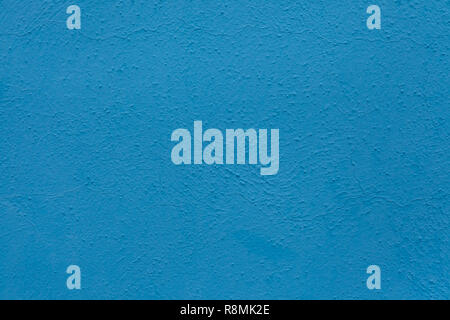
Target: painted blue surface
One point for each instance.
(86, 176)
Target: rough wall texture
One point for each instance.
(85, 171)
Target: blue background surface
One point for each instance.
(86, 176)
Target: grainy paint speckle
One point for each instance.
(85, 170)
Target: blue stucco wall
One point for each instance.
(86, 176)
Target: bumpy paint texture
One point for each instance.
(86, 177)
